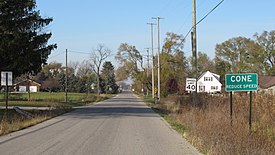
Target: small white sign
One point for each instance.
(190, 84)
(4, 76)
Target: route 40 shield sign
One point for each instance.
(190, 84)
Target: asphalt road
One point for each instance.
(123, 125)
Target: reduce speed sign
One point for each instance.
(190, 84)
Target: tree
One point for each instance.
(235, 53)
(173, 64)
(86, 83)
(204, 63)
(121, 73)
(132, 63)
(173, 43)
(23, 41)
(74, 65)
(84, 68)
(130, 58)
(51, 84)
(267, 41)
(98, 56)
(108, 78)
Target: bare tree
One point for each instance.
(84, 68)
(99, 54)
(74, 65)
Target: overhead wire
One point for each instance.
(201, 21)
(79, 52)
(56, 55)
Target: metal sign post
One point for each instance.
(250, 112)
(7, 93)
(231, 109)
(241, 82)
(6, 80)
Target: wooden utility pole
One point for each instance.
(152, 48)
(66, 78)
(147, 71)
(194, 47)
(158, 18)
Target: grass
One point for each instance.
(15, 121)
(45, 99)
(208, 125)
(180, 128)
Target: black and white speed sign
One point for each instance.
(190, 84)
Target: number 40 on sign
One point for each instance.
(190, 84)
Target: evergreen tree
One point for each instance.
(108, 78)
(23, 39)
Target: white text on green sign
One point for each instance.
(241, 82)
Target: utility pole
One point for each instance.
(194, 47)
(152, 48)
(147, 71)
(158, 18)
(66, 78)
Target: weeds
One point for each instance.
(15, 121)
(209, 123)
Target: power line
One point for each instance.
(210, 11)
(201, 21)
(79, 52)
(56, 55)
(190, 14)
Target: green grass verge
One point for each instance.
(45, 99)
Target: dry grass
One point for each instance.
(15, 121)
(209, 123)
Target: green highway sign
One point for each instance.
(241, 82)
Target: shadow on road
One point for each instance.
(124, 105)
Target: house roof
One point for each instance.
(266, 81)
(27, 81)
(215, 75)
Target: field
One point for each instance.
(46, 99)
(13, 121)
(208, 125)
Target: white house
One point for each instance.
(209, 82)
(23, 86)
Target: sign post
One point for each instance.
(241, 82)
(6, 80)
(231, 109)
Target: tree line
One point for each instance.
(235, 55)
(80, 76)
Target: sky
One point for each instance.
(80, 26)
